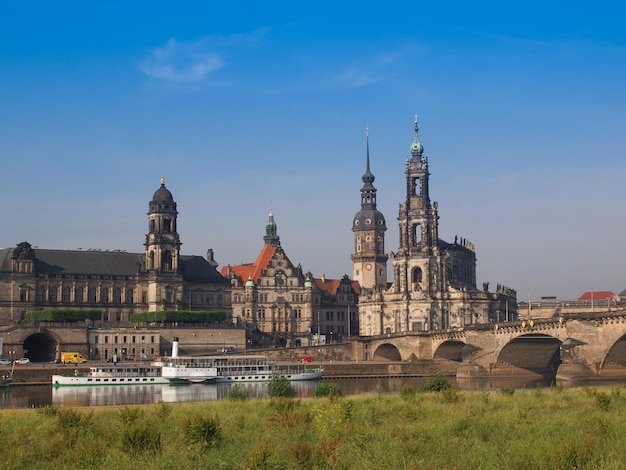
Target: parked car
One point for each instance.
(5, 362)
(22, 362)
(229, 349)
(307, 359)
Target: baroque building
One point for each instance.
(434, 281)
(116, 282)
(281, 305)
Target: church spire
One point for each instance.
(417, 149)
(368, 191)
(271, 231)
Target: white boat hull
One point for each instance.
(182, 374)
(267, 376)
(112, 376)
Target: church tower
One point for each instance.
(369, 261)
(271, 231)
(163, 252)
(416, 264)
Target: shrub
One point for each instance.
(70, 418)
(436, 384)
(129, 415)
(603, 400)
(141, 438)
(407, 391)
(49, 411)
(507, 391)
(329, 390)
(238, 393)
(205, 431)
(279, 387)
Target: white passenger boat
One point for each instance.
(181, 369)
(260, 369)
(188, 369)
(113, 375)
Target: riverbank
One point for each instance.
(550, 428)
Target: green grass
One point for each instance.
(547, 429)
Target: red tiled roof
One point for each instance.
(597, 295)
(252, 270)
(331, 285)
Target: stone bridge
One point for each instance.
(572, 346)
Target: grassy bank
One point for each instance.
(543, 428)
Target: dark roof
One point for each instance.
(112, 263)
(198, 269)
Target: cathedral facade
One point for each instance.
(434, 282)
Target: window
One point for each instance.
(78, 294)
(209, 299)
(52, 294)
(66, 294)
(104, 295)
(129, 295)
(166, 265)
(117, 295)
(92, 295)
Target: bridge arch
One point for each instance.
(387, 352)
(534, 352)
(451, 350)
(616, 356)
(40, 347)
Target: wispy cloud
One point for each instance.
(181, 62)
(376, 69)
(192, 61)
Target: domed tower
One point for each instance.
(162, 241)
(369, 261)
(271, 231)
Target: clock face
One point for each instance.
(368, 266)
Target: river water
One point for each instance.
(31, 396)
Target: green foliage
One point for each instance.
(603, 400)
(163, 410)
(436, 384)
(238, 392)
(70, 418)
(62, 315)
(508, 391)
(203, 430)
(280, 387)
(328, 389)
(141, 438)
(569, 429)
(407, 391)
(180, 316)
(49, 411)
(129, 415)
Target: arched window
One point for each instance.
(78, 294)
(417, 275)
(166, 264)
(104, 295)
(53, 294)
(151, 260)
(66, 294)
(129, 296)
(117, 295)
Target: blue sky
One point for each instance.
(252, 106)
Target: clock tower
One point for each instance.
(369, 261)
